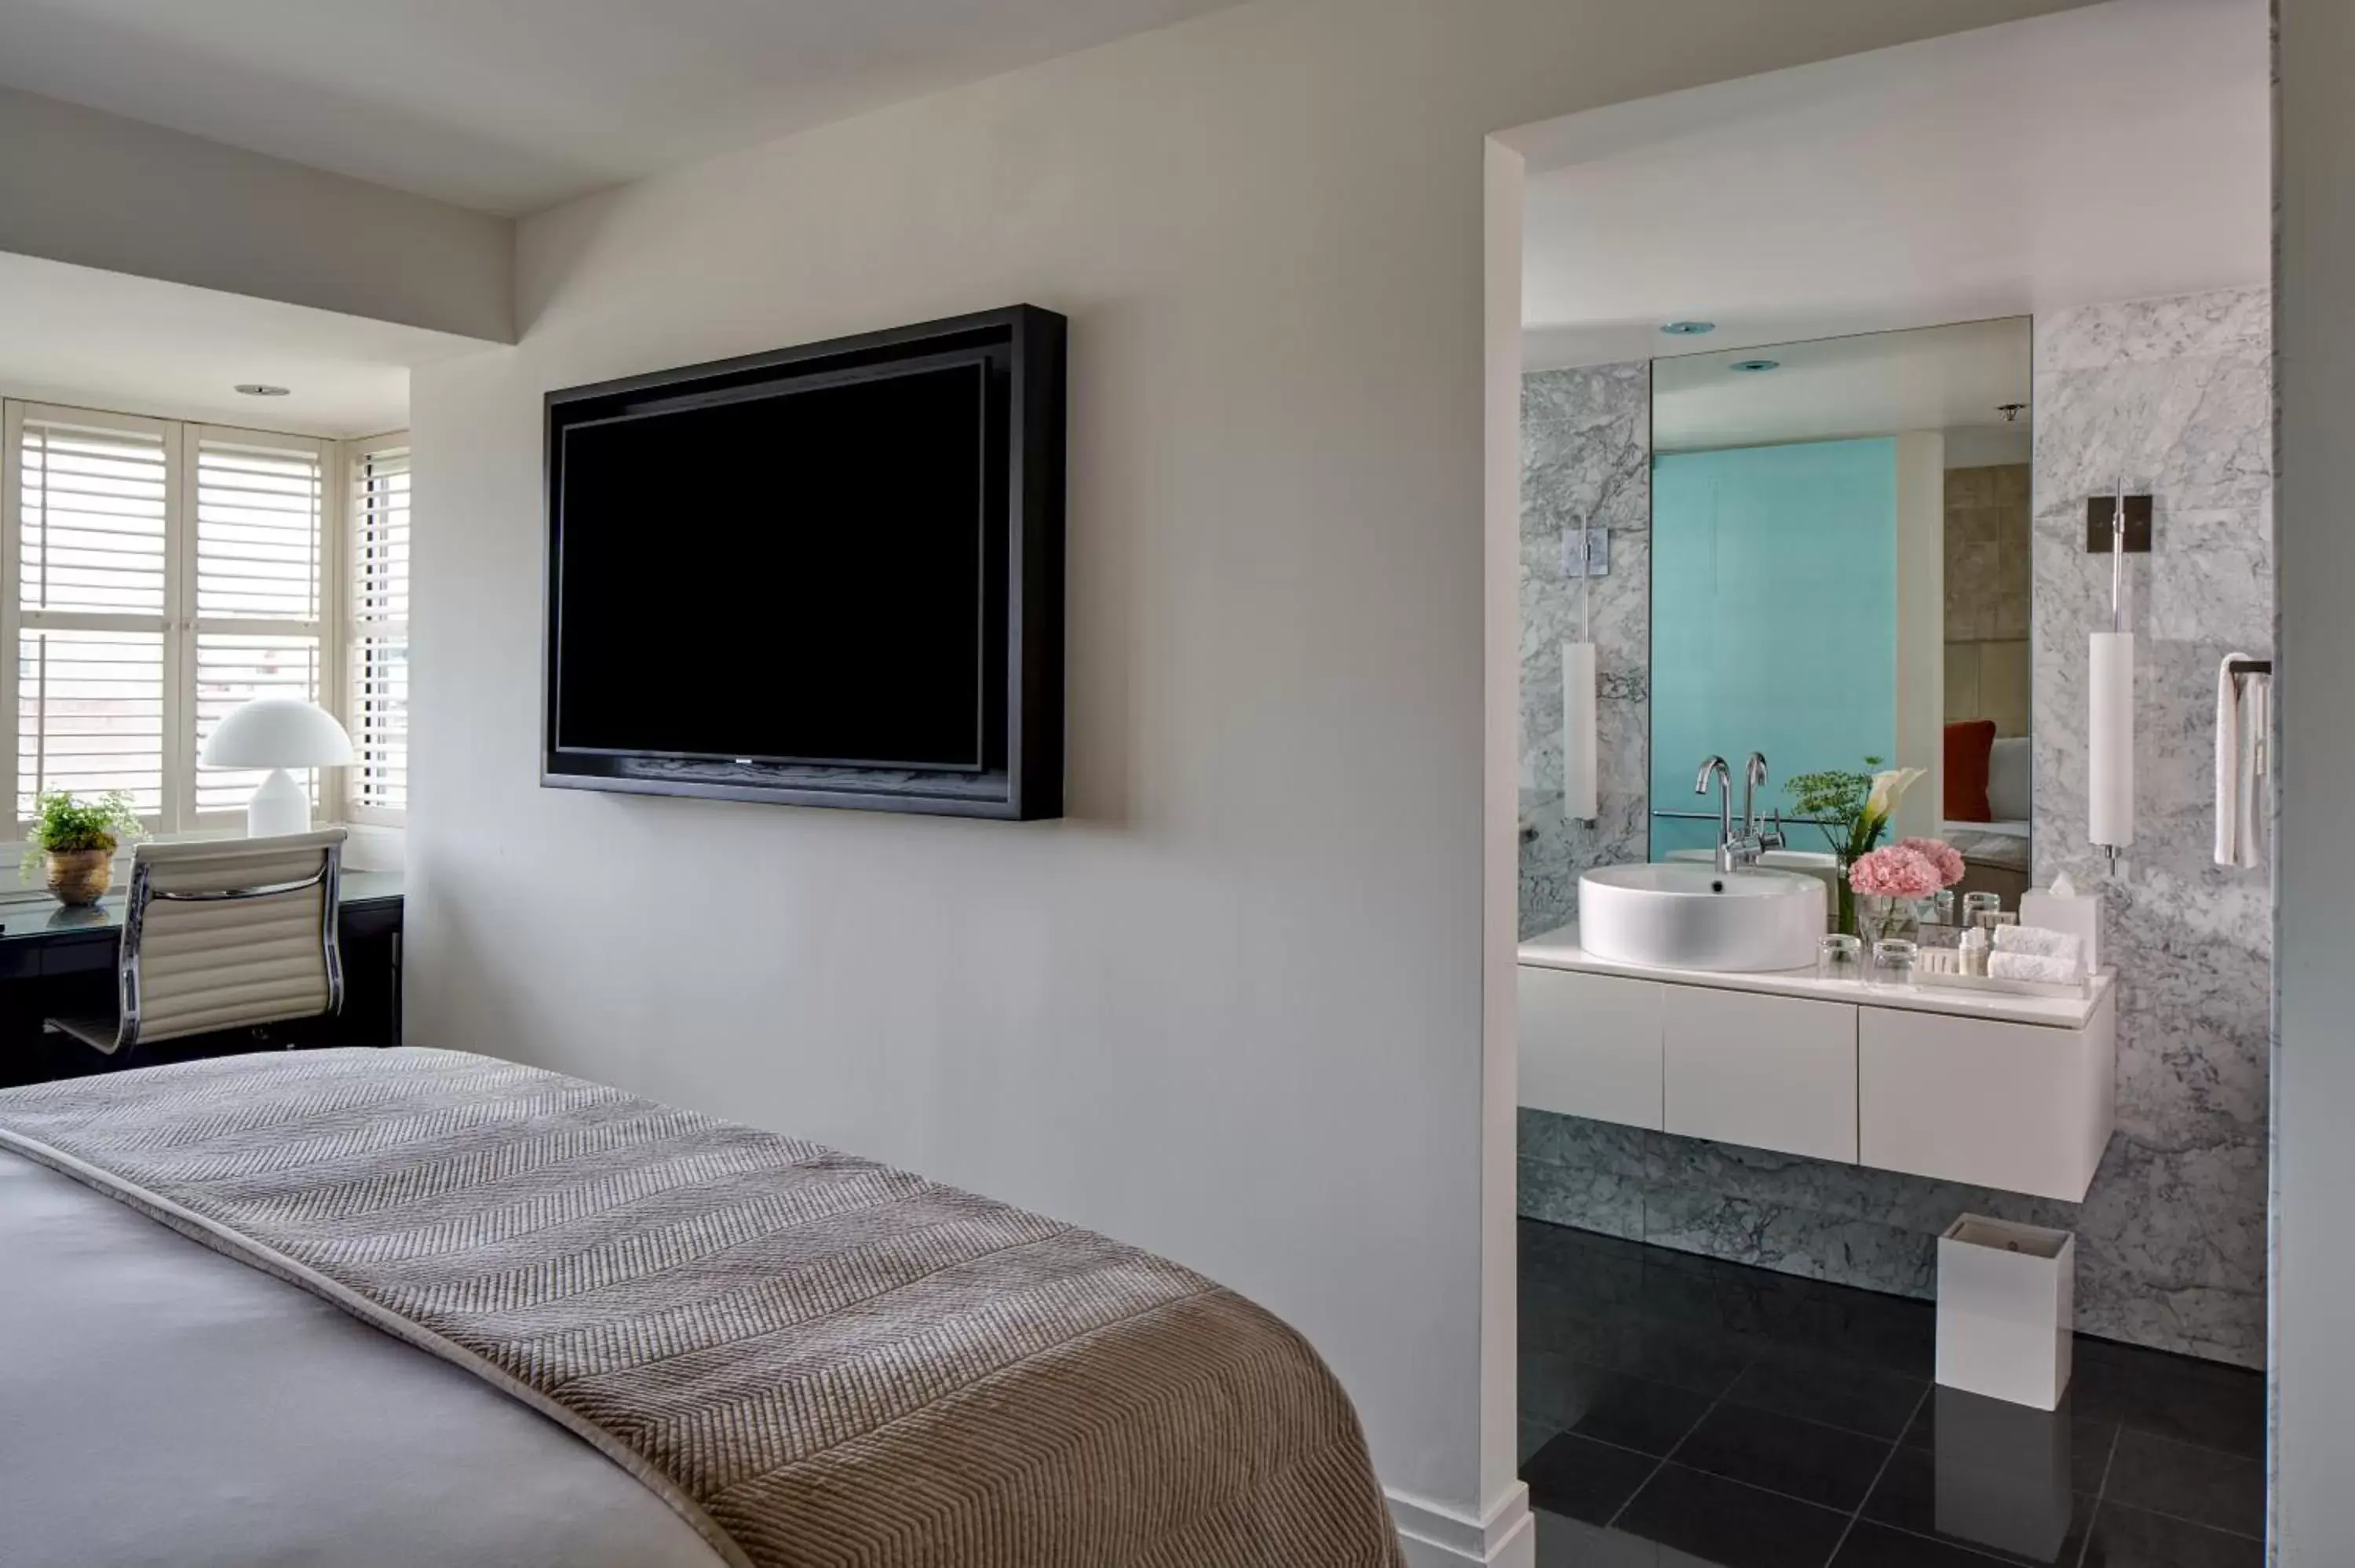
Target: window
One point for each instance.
(258, 570)
(376, 623)
(154, 576)
(90, 611)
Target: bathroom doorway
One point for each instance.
(1824, 376)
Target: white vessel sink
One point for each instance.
(1690, 916)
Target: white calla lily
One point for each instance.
(1886, 788)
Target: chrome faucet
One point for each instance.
(1755, 841)
(1737, 851)
(1715, 768)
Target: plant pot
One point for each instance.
(78, 877)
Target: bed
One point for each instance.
(424, 1307)
(1997, 858)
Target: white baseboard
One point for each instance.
(1436, 1536)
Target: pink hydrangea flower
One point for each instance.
(1896, 871)
(1940, 853)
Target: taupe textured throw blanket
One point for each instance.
(814, 1359)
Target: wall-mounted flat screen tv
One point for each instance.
(826, 575)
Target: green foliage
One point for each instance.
(66, 823)
(1837, 799)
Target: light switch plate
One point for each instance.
(1586, 553)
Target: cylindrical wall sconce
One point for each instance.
(2122, 525)
(1579, 741)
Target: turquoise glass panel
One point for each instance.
(1773, 619)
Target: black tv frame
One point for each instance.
(1025, 779)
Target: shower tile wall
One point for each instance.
(2171, 1237)
(1987, 595)
(1586, 461)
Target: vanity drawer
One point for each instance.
(1591, 1045)
(2010, 1106)
(1766, 1072)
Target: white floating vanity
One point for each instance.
(2009, 1092)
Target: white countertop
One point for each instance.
(1558, 949)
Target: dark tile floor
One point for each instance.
(1677, 1411)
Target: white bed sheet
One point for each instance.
(165, 1405)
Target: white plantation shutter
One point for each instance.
(89, 610)
(259, 568)
(376, 619)
(231, 669)
(156, 574)
(258, 535)
(90, 716)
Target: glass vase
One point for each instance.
(1881, 919)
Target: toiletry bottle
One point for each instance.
(1975, 946)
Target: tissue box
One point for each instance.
(2080, 914)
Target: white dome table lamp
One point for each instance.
(277, 733)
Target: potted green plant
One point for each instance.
(76, 840)
(1853, 810)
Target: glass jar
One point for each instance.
(1979, 909)
(1892, 962)
(1879, 918)
(1839, 957)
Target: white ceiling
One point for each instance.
(1951, 378)
(2118, 152)
(512, 105)
(107, 340)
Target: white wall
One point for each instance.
(2313, 1054)
(1232, 1008)
(99, 190)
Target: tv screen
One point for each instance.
(801, 574)
(829, 575)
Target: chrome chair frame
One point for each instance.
(135, 920)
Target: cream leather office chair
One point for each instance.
(223, 934)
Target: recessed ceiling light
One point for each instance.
(1689, 329)
(262, 389)
(1755, 366)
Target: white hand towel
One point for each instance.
(2241, 722)
(2037, 942)
(2032, 966)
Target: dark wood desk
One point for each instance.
(56, 962)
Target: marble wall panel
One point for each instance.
(1586, 462)
(2175, 397)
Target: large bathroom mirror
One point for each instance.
(1839, 562)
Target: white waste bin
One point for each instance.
(2007, 1304)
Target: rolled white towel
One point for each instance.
(2032, 966)
(2039, 941)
